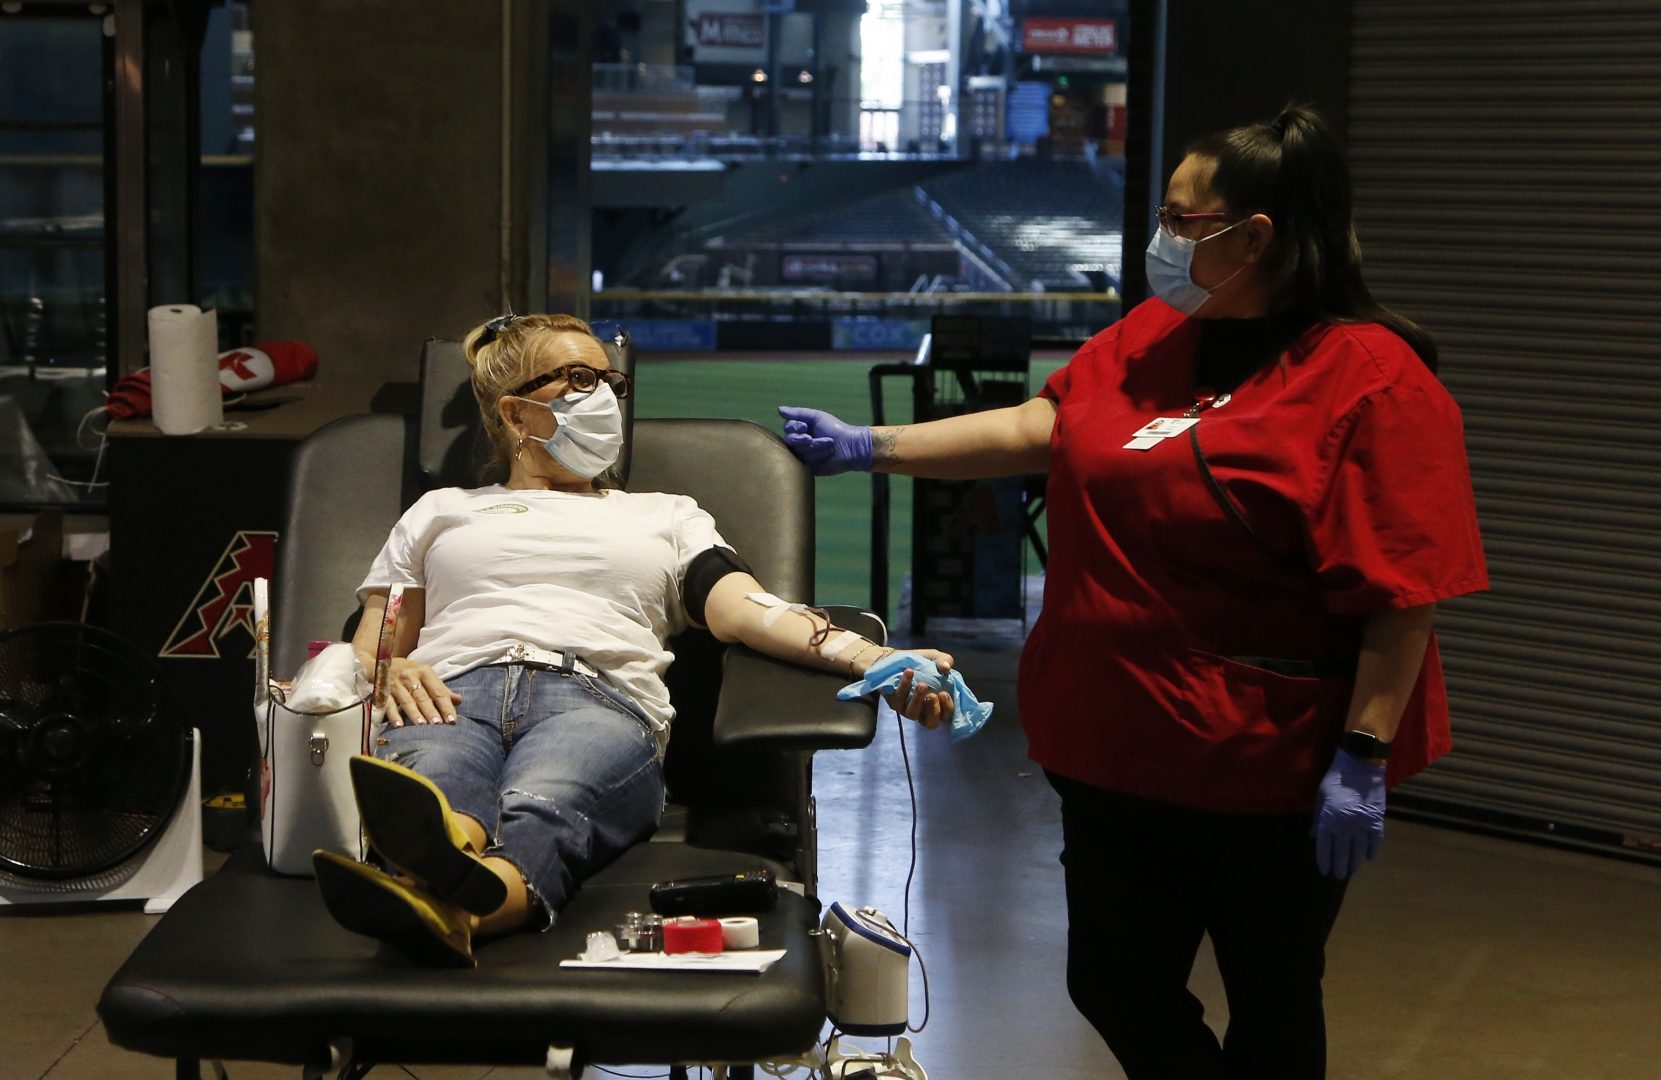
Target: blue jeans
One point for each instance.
(562, 771)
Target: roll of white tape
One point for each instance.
(740, 932)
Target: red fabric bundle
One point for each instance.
(254, 367)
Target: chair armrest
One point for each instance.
(778, 705)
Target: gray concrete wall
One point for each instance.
(386, 129)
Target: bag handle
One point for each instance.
(383, 647)
(262, 641)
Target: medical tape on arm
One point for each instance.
(840, 643)
(776, 609)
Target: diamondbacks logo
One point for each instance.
(225, 602)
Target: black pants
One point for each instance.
(1145, 880)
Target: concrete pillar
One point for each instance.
(403, 171)
(1190, 75)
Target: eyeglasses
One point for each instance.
(1171, 220)
(582, 378)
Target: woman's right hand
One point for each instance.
(825, 444)
(930, 708)
(416, 695)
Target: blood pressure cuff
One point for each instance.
(708, 567)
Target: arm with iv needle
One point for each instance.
(738, 609)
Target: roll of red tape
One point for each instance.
(691, 936)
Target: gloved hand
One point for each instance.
(969, 713)
(1349, 815)
(825, 444)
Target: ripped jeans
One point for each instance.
(562, 771)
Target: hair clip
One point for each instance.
(496, 326)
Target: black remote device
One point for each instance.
(718, 894)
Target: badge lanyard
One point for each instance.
(1156, 431)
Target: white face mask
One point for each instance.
(590, 433)
(1169, 264)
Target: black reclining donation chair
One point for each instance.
(249, 966)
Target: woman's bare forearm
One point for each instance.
(731, 616)
(998, 442)
(1393, 645)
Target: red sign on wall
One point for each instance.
(732, 31)
(1087, 37)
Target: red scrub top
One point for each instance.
(1143, 673)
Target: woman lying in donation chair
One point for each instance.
(526, 713)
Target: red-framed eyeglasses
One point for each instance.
(1171, 220)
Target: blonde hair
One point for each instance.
(503, 364)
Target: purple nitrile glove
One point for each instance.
(1349, 815)
(825, 444)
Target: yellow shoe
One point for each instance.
(366, 901)
(410, 823)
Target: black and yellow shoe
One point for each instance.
(370, 902)
(410, 824)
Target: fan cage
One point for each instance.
(101, 882)
(93, 759)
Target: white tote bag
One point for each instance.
(306, 798)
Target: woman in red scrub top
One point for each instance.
(1258, 492)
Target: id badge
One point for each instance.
(1156, 431)
(1165, 427)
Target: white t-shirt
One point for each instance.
(596, 573)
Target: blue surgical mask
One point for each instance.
(1169, 264)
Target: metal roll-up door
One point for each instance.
(1507, 158)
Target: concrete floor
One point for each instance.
(1457, 957)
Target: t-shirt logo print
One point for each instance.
(506, 508)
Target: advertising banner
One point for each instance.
(840, 270)
(1076, 37)
(891, 335)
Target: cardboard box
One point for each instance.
(36, 583)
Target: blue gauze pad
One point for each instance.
(969, 714)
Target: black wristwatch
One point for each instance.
(1364, 746)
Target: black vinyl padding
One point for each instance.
(760, 496)
(814, 720)
(249, 966)
(337, 518)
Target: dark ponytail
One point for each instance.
(1292, 169)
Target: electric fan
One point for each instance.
(94, 765)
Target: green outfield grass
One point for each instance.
(751, 390)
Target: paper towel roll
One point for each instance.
(184, 368)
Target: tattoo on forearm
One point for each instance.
(883, 442)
